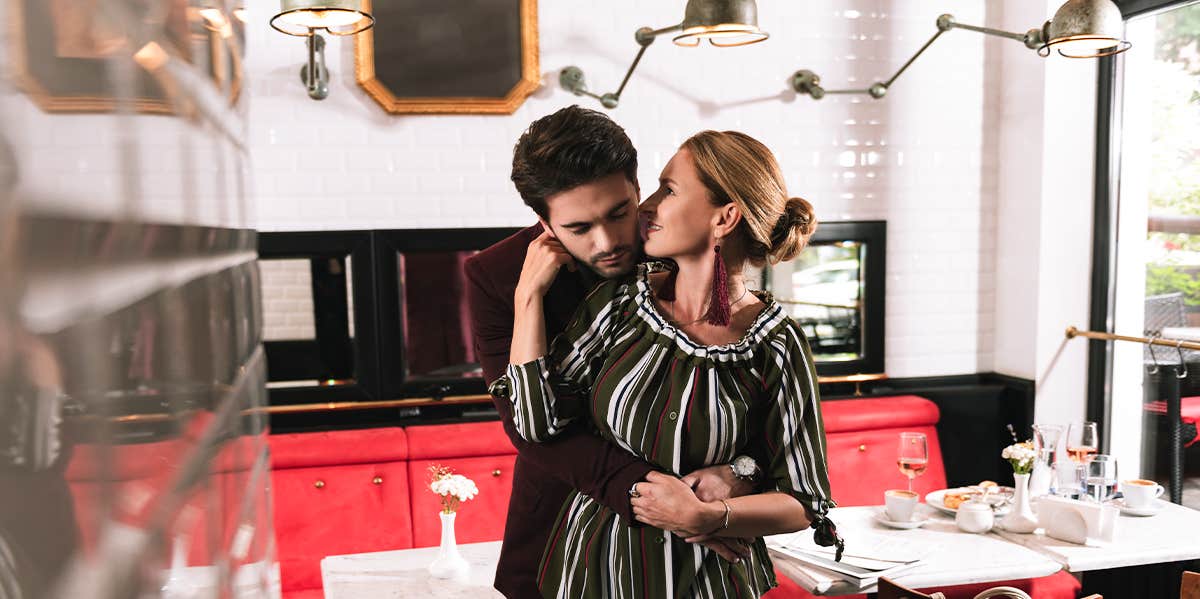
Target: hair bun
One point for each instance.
(792, 230)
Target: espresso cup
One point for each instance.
(1139, 492)
(899, 504)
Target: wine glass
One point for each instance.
(914, 456)
(1082, 442)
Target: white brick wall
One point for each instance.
(925, 159)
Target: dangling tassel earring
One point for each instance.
(718, 303)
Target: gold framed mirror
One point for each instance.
(461, 57)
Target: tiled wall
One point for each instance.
(925, 159)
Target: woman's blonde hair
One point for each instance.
(735, 167)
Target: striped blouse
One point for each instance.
(644, 385)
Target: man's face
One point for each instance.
(597, 224)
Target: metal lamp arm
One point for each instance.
(571, 78)
(808, 82)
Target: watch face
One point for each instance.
(744, 466)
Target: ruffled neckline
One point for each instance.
(763, 324)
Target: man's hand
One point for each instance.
(542, 261)
(717, 482)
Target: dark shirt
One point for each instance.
(545, 473)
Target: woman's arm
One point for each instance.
(668, 503)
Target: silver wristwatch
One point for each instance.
(745, 468)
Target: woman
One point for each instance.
(685, 368)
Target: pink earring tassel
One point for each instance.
(718, 305)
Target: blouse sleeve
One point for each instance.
(793, 435)
(548, 393)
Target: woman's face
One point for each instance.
(678, 218)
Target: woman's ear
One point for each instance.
(727, 219)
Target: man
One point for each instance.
(577, 170)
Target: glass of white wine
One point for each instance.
(913, 456)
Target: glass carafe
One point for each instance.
(1042, 479)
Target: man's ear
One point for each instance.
(727, 219)
(546, 226)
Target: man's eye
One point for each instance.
(579, 231)
(619, 216)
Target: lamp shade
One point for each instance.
(721, 22)
(1086, 29)
(338, 17)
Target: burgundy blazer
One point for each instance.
(545, 473)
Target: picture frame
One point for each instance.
(61, 54)
(463, 57)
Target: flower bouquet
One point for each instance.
(453, 489)
(1021, 457)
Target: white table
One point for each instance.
(1171, 535)
(404, 573)
(959, 558)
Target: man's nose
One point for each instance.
(606, 239)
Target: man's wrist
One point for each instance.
(744, 468)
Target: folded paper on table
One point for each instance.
(868, 556)
(1075, 521)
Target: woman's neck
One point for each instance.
(693, 287)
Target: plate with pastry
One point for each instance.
(948, 500)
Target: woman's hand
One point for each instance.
(668, 503)
(542, 261)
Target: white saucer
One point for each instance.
(917, 521)
(1150, 510)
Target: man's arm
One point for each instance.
(583, 460)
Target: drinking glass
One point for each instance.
(1101, 480)
(913, 456)
(1045, 446)
(1082, 442)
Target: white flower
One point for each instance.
(455, 485)
(1021, 456)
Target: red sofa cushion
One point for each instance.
(479, 451)
(1189, 414)
(480, 519)
(338, 448)
(348, 512)
(465, 440)
(862, 440)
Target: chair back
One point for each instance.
(1189, 586)
(891, 590)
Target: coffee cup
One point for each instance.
(899, 504)
(1139, 492)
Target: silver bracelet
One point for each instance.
(728, 511)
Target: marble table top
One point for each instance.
(1168, 536)
(404, 573)
(954, 557)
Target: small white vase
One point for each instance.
(1020, 518)
(449, 563)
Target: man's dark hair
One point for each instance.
(567, 149)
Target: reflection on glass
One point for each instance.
(823, 290)
(308, 316)
(437, 323)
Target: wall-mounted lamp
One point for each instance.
(305, 18)
(723, 23)
(1079, 29)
